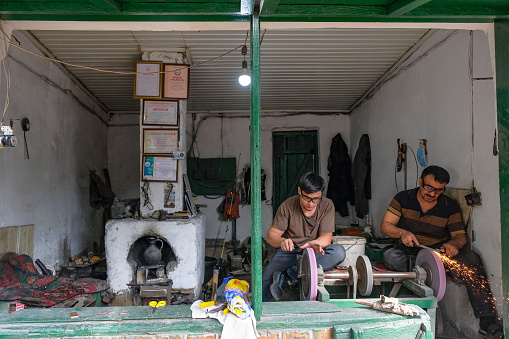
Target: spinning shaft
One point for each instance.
(429, 273)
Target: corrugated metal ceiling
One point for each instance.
(315, 70)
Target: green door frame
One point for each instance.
(502, 91)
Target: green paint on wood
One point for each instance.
(109, 5)
(173, 320)
(268, 7)
(400, 7)
(502, 89)
(425, 303)
(256, 197)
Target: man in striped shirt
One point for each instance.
(425, 216)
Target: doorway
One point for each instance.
(294, 153)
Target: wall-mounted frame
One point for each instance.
(160, 141)
(148, 79)
(159, 168)
(176, 81)
(160, 112)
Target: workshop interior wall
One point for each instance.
(233, 140)
(67, 139)
(433, 99)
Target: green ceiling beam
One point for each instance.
(22, 7)
(268, 7)
(180, 8)
(112, 6)
(400, 7)
(117, 18)
(463, 11)
(109, 5)
(367, 13)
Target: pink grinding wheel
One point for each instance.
(309, 281)
(430, 259)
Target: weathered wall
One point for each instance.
(67, 139)
(124, 154)
(433, 99)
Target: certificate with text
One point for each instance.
(160, 141)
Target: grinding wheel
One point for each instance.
(365, 275)
(435, 270)
(309, 275)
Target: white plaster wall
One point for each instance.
(235, 142)
(66, 140)
(124, 155)
(186, 238)
(433, 99)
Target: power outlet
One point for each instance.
(179, 155)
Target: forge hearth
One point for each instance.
(182, 249)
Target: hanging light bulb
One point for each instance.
(244, 78)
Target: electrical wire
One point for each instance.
(416, 167)
(416, 171)
(7, 70)
(115, 72)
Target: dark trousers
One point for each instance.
(402, 258)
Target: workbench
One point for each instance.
(312, 319)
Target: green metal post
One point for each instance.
(256, 200)
(502, 87)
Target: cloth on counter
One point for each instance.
(20, 281)
(233, 326)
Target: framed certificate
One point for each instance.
(160, 112)
(148, 79)
(159, 168)
(160, 141)
(176, 81)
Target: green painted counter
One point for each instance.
(346, 322)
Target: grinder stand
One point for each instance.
(426, 279)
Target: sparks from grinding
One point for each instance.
(469, 275)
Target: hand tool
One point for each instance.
(439, 250)
(155, 304)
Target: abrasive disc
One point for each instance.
(433, 265)
(309, 278)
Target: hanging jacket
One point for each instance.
(340, 189)
(361, 172)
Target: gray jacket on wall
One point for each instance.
(361, 173)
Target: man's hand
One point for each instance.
(409, 239)
(315, 245)
(287, 245)
(450, 249)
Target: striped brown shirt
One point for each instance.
(438, 224)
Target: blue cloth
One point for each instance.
(287, 261)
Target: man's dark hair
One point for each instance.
(311, 183)
(441, 175)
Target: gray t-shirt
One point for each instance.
(291, 220)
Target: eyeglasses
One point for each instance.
(309, 199)
(429, 188)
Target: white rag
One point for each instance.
(233, 326)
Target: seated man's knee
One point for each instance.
(396, 259)
(337, 251)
